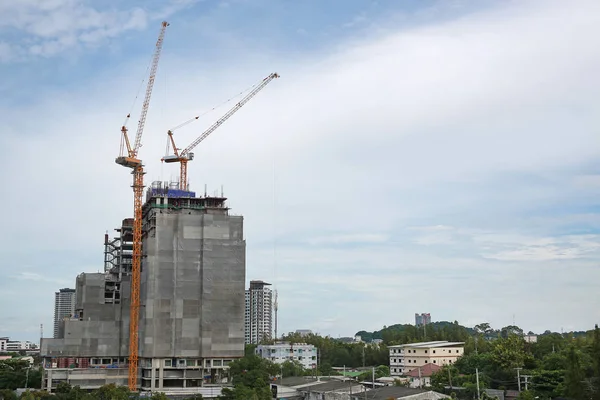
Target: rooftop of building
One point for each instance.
(428, 345)
(426, 370)
(283, 344)
(398, 392)
(258, 284)
(329, 386)
(66, 290)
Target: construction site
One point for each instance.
(167, 312)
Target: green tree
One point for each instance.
(112, 392)
(7, 394)
(574, 375)
(251, 377)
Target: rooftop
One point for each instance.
(397, 392)
(330, 386)
(428, 345)
(425, 371)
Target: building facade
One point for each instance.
(422, 319)
(406, 357)
(191, 322)
(64, 307)
(258, 316)
(17, 345)
(3, 342)
(305, 354)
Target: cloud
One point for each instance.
(388, 175)
(348, 239)
(47, 28)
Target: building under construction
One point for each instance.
(191, 318)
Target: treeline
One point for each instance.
(334, 353)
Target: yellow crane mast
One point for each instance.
(182, 157)
(131, 160)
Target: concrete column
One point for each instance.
(161, 373)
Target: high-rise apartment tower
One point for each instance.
(259, 312)
(422, 319)
(64, 307)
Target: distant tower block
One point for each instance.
(259, 313)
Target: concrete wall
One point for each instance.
(104, 328)
(192, 286)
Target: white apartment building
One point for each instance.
(305, 354)
(64, 306)
(258, 316)
(406, 357)
(16, 345)
(530, 338)
(3, 342)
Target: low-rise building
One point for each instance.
(16, 345)
(305, 354)
(530, 338)
(420, 377)
(406, 357)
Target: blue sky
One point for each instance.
(414, 156)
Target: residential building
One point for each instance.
(191, 323)
(17, 345)
(422, 319)
(420, 377)
(305, 354)
(258, 317)
(3, 342)
(406, 357)
(530, 338)
(64, 307)
(304, 332)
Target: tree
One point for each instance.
(509, 353)
(7, 394)
(250, 376)
(112, 392)
(574, 374)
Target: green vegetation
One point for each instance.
(557, 365)
(15, 373)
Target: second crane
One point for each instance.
(185, 155)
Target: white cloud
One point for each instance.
(46, 28)
(415, 128)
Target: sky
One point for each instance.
(414, 156)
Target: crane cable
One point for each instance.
(189, 121)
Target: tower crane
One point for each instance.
(185, 155)
(131, 160)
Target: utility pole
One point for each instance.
(373, 378)
(477, 377)
(519, 377)
(363, 349)
(420, 383)
(450, 377)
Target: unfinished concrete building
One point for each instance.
(192, 301)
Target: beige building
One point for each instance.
(406, 357)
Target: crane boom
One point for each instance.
(182, 157)
(154, 67)
(229, 113)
